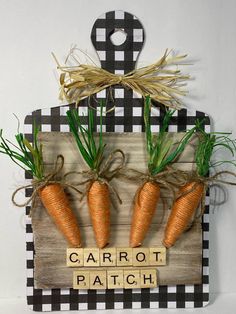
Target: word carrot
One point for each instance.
(109, 257)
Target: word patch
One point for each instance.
(114, 279)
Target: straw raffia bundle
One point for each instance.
(163, 84)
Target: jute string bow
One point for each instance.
(156, 80)
(207, 182)
(169, 179)
(105, 173)
(38, 185)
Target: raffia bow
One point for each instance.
(156, 80)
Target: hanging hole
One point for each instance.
(118, 36)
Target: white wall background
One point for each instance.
(30, 30)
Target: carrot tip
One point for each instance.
(102, 245)
(75, 245)
(166, 244)
(135, 244)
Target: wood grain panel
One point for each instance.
(184, 260)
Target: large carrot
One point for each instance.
(29, 157)
(161, 152)
(98, 192)
(190, 195)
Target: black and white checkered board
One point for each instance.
(126, 117)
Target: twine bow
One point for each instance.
(169, 179)
(206, 181)
(156, 80)
(105, 174)
(39, 184)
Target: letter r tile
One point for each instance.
(124, 256)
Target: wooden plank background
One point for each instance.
(184, 260)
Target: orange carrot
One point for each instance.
(99, 209)
(30, 157)
(56, 203)
(184, 208)
(144, 209)
(182, 212)
(92, 151)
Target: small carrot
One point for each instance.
(161, 152)
(98, 192)
(30, 158)
(190, 195)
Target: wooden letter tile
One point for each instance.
(157, 256)
(140, 257)
(74, 257)
(148, 278)
(108, 257)
(98, 279)
(115, 279)
(131, 279)
(81, 279)
(124, 256)
(91, 257)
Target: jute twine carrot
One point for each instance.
(97, 189)
(193, 193)
(157, 80)
(51, 193)
(184, 210)
(98, 177)
(50, 190)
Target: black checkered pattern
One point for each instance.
(126, 117)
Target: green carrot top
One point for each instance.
(27, 156)
(91, 150)
(208, 144)
(161, 148)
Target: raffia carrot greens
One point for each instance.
(192, 193)
(30, 158)
(92, 152)
(162, 151)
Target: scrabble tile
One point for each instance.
(91, 257)
(115, 279)
(98, 279)
(148, 278)
(81, 279)
(140, 257)
(131, 279)
(108, 257)
(157, 256)
(74, 257)
(124, 256)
